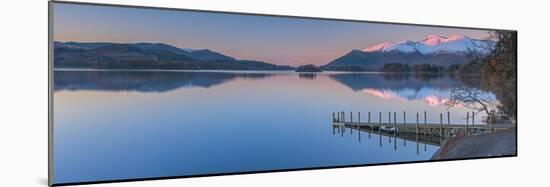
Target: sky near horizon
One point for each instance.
(278, 40)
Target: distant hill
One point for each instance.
(436, 50)
(106, 55)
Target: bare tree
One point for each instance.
(496, 72)
(471, 98)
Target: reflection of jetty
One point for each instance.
(419, 131)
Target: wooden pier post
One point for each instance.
(490, 118)
(343, 125)
(389, 125)
(395, 129)
(404, 118)
(358, 120)
(350, 122)
(467, 123)
(425, 118)
(417, 116)
(449, 123)
(371, 128)
(333, 117)
(394, 123)
(339, 120)
(473, 118)
(380, 124)
(417, 144)
(441, 126)
(404, 122)
(359, 125)
(425, 123)
(448, 118)
(389, 118)
(343, 117)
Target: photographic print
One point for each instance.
(151, 93)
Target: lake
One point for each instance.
(140, 124)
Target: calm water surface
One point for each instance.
(139, 124)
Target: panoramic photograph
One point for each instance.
(143, 93)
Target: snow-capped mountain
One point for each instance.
(455, 43)
(433, 50)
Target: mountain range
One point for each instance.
(434, 49)
(108, 55)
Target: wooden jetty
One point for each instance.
(420, 131)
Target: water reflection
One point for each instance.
(393, 140)
(360, 81)
(382, 85)
(145, 81)
(432, 89)
(309, 76)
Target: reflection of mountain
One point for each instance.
(431, 96)
(360, 81)
(431, 89)
(143, 81)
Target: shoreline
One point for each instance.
(502, 143)
(253, 71)
(212, 70)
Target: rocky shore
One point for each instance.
(501, 143)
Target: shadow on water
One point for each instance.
(145, 81)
